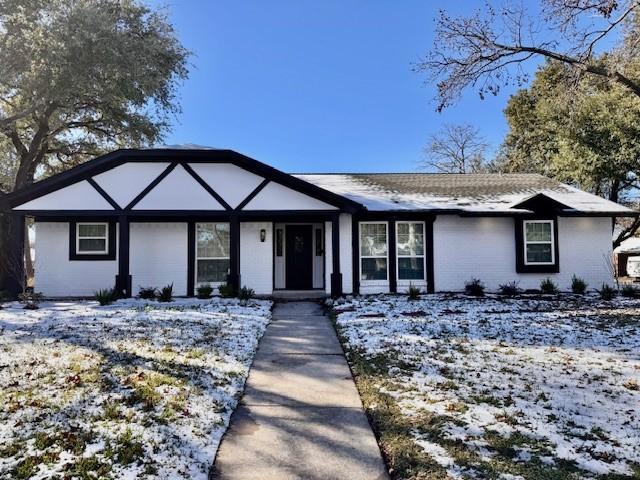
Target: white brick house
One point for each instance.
(139, 218)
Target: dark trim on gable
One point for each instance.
(541, 203)
(521, 267)
(152, 185)
(253, 194)
(104, 194)
(111, 240)
(205, 185)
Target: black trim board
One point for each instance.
(521, 267)
(191, 258)
(104, 194)
(152, 185)
(111, 240)
(252, 195)
(205, 185)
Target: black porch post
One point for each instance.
(12, 274)
(234, 253)
(123, 280)
(393, 278)
(336, 275)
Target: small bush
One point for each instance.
(204, 291)
(510, 289)
(578, 285)
(165, 294)
(474, 287)
(607, 292)
(413, 293)
(629, 291)
(106, 296)
(147, 293)
(30, 300)
(246, 293)
(548, 287)
(227, 291)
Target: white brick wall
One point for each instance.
(57, 276)
(158, 256)
(485, 248)
(256, 257)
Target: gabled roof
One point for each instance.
(463, 193)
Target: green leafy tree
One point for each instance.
(79, 78)
(591, 140)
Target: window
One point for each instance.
(410, 250)
(373, 251)
(92, 238)
(538, 242)
(212, 252)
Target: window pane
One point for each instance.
(92, 245)
(212, 271)
(373, 239)
(539, 253)
(410, 239)
(374, 269)
(92, 230)
(411, 268)
(212, 239)
(538, 232)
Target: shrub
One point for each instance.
(246, 293)
(578, 285)
(204, 291)
(547, 286)
(147, 293)
(165, 294)
(106, 296)
(474, 287)
(227, 291)
(510, 289)
(30, 300)
(629, 291)
(414, 292)
(607, 292)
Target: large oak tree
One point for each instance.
(79, 78)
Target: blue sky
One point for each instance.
(310, 86)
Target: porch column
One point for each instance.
(234, 253)
(12, 274)
(123, 279)
(336, 275)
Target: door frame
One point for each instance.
(315, 225)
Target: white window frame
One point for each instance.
(386, 233)
(105, 238)
(197, 258)
(552, 242)
(424, 254)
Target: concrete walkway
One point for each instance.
(301, 416)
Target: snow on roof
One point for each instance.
(461, 192)
(630, 245)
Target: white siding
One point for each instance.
(79, 196)
(126, 181)
(229, 181)
(485, 248)
(278, 197)
(256, 257)
(57, 276)
(158, 256)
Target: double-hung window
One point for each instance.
(373, 251)
(212, 252)
(410, 250)
(539, 242)
(92, 238)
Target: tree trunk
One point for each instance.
(28, 261)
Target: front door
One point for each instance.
(299, 257)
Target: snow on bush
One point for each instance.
(544, 381)
(132, 390)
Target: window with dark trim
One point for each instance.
(537, 245)
(373, 251)
(212, 253)
(410, 250)
(92, 240)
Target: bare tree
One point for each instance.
(456, 149)
(488, 49)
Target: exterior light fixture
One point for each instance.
(263, 235)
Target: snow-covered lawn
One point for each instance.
(137, 389)
(500, 388)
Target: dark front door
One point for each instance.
(299, 257)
